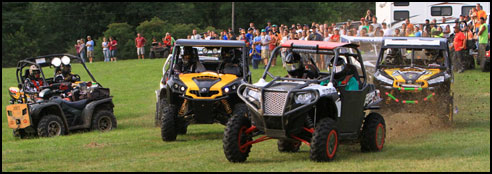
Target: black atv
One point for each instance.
(56, 108)
(319, 109)
(206, 92)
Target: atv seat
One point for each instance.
(80, 105)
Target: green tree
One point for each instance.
(124, 34)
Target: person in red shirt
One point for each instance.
(336, 36)
(140, 43)
(112, 48)
(459, 46)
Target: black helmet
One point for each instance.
(66, 69)
(188, 55)
(340, 65)
(295, 66)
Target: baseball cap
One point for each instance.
(274, 25)
(250, 28)
(263, 30)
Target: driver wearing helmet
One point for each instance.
(34, 81)
(295, 67)
(189, 62)
(65, 75)
(345, 75)
(230, 64)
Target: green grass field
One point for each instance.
(136, 145)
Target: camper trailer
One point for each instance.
(395, 13)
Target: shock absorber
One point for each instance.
(226, 106)
(183, 107)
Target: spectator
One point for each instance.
(378, 32)
(213, 35)
(417, 32)
(336, 36)
(387, 31)
(315, 35)
(403, 30)
(105, 48)
(255, 51)
(409, 33)
(299, 28)
(206, 36)
(188, 37)
(224, 35)
(140, 43)
(252, 25)
(427, 27)
(77, 47)
(375, 22)
(265, 41)
(90, 48)
(283, 52)
(446, 31)
(469, 62)
(113, 48)
(409, 25)
(363, 33)
(230, 36)
(272, 45)
(370, 33)
(459, 45)
(250, 36)
(397, 32)
(480, 12)
(368, 16)
(269, 25)
(195, 35)
(483, 39)
(82, 48)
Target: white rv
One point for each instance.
(395, 13)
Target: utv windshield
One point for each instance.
(412, 57)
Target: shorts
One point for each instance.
(90, 53)
(140, 51)
(113, 53)
(265, 54)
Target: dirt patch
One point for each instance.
(94, 145)
(410, 125)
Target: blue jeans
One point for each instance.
(255, 63)
(106, 55)
(82, 55)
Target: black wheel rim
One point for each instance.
(54, 128)
(104, 123)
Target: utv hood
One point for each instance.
(411, 77)
(206, 85)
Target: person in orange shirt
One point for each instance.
(272, 45)
(480, 12)
(409, 25)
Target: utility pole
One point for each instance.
(232, 17)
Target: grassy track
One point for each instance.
(136, 144)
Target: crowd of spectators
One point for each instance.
(470, 33)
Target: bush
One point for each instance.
(154, 28)
(17, 46)
(125, 35)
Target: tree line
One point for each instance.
(40, 28)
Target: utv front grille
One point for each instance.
(274, 102)
(204, 94)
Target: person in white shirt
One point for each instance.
(195, 36)
(387, 31)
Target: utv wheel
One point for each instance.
(373, 133)
(240, 109)
(103, 120)
(234, 137)
(160, 106)
(50, 126)
(324, 143)
(288, 145)
(168, 126)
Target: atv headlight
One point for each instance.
(303, 98)
(383, 78)
(439, 79)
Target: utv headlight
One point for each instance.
(252, 94)
(303, 98)
(383, 79)
(226, 89)
(439, 79)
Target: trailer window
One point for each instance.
(401, 15)
(466, 9)
(402, 3)
(442, 11)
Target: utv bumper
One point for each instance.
(18, 116)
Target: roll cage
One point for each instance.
(210, 44)
(334, 49)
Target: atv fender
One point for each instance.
(89, 110)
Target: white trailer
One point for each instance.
(395, 13)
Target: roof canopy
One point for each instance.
(320, 44)
(210, 43)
